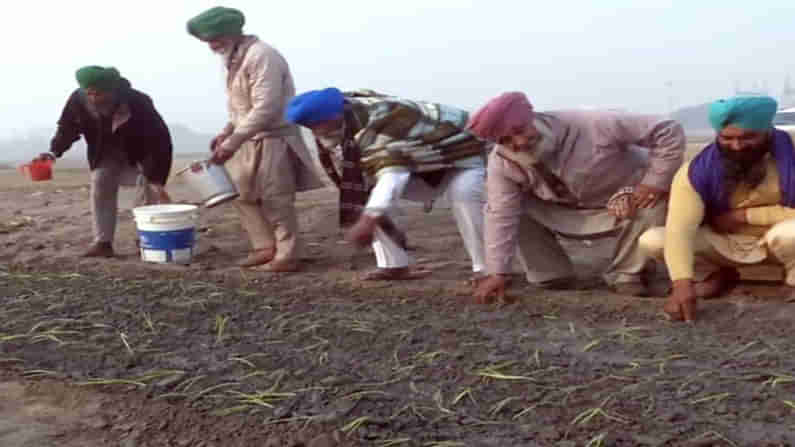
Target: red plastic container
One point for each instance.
(37, 170)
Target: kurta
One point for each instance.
(584, 157)
(259, 86)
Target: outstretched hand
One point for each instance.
(45, 156)
(489, 288)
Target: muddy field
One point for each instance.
(97, 353)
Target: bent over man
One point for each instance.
(128, 144)
(379, 149)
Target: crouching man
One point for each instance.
(575, 174)
(732, 205)
(128, 144)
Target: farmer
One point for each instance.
(379, 149)
(128, 144)
(576, 174)
(265, 156)
(732, 205)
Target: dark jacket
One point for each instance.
(141, 134)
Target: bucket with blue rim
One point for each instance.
(167, 232)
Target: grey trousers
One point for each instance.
(543, 259)
(113, 172)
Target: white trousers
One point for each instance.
(463, 188)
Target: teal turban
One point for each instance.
(217, 22)
(100, 78)
(746, 112)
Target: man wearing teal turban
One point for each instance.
(265, 155)
(128, 144)
(733, 205)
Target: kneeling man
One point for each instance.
(577, 174)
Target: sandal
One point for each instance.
(394, 274)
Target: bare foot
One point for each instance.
(717, 283)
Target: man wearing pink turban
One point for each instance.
(581, 174)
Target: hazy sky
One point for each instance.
(562, 54)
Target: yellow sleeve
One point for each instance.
(685, 214)
(769, 215)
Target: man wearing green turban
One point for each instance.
(264, 154)
(128, 144)
(733, 205)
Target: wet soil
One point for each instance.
(146, 355)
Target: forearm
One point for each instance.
(769, 215)
(63, 140)
(685, 213)
(501, 233)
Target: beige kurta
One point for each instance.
(259, 86)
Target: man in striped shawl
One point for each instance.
(379, 149)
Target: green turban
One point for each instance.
(216, 22)
(746, 112)
(100, 78)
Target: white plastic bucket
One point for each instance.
(167, 232)
(211, 181)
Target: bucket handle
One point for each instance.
(160, 220)
(196, 166)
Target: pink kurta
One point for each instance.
(593, 154)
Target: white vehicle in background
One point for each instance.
(785, 120)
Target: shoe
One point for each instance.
(99, 250)
(394, 274)
(258, 257)
(564, 283)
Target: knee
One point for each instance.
(781, 239)
(651, 217)
(652, 242)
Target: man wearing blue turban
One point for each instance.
(733, 205)
(379, 149)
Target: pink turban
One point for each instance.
(501, 115)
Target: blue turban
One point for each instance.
(315, 106)
(746, 112)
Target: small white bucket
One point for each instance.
(167, 232)
(211, 181)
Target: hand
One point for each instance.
(729, 222)
(622, 207)
(217, 140)
(362, 232)
(160, 194)
(221, 154)
(492, 285)
(45, 156)
(682, 304)
(647, 196)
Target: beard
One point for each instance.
(225, 53)
(331, 140)
(744, 167)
